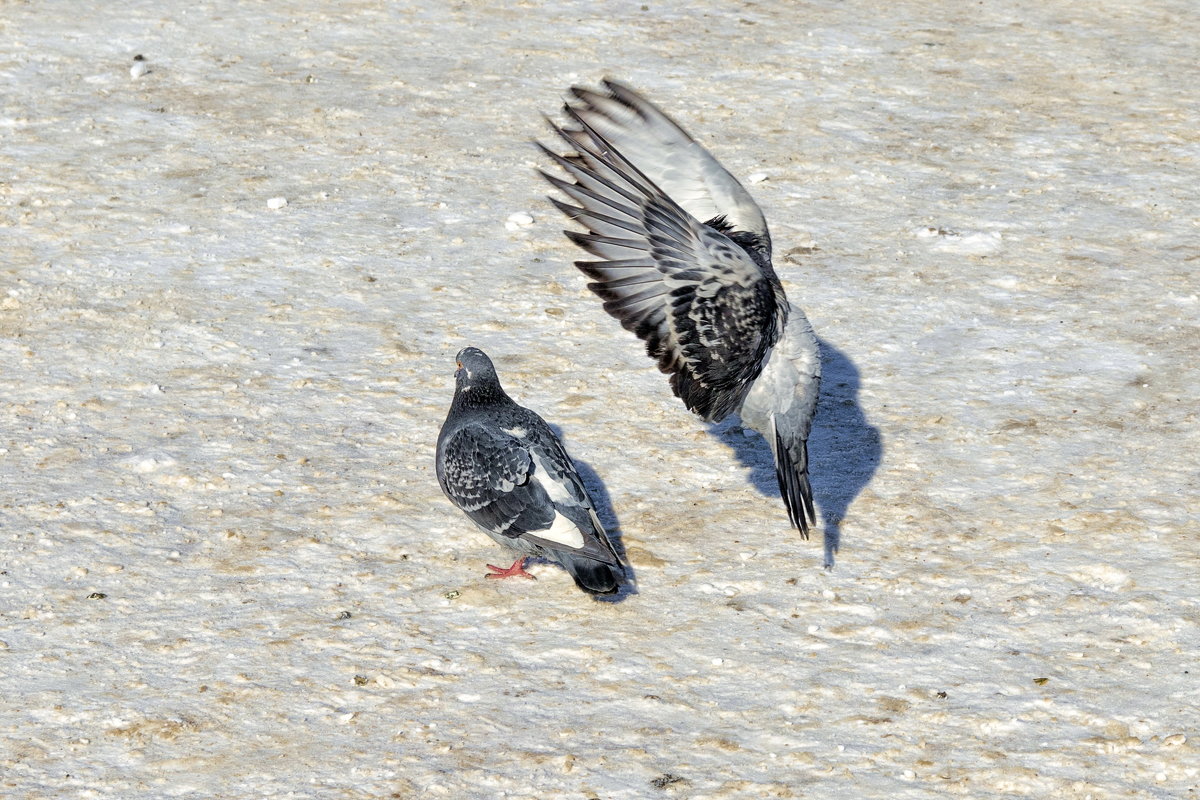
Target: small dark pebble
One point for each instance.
(360, 680)
(97, 596)
(666, 779)
(344, 615)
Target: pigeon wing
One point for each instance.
(559, 477)
(671, 159)
(705, 308)
(488, 474)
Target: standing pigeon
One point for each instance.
(685, 263)
(502, 465)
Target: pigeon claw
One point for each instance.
(517, 570)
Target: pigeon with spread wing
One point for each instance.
(684, 262)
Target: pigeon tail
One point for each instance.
(791, 470)
(594, 577)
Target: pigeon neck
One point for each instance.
(474, 395)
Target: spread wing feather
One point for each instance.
(670, 158)
(706, 309)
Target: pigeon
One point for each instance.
(685, 264)
(504, 467)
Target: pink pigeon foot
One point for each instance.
(517, 570)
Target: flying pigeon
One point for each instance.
(685, 263)
(504, 467)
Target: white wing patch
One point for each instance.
(557, 491)
(563, 532)
(517, 432)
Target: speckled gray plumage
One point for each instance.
(686, 265)
(503, 466)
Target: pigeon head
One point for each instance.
(476, 374)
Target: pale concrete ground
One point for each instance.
(219, 417)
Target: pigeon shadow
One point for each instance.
(601, 501)
(844, 450)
